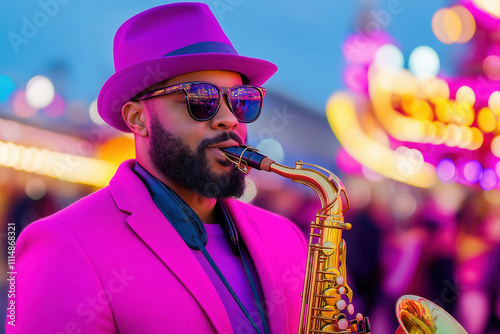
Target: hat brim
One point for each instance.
(122, 86)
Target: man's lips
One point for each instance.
(228, 143)
(219, 155)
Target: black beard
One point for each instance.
(175, 159)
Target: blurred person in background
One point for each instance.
(477, 271)
(166, 247)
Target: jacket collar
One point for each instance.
(132, 196)
(157, 233)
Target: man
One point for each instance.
(164, 248)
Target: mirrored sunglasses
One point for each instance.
(203, 99)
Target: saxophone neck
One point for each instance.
(327, 185)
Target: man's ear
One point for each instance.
(134, 114)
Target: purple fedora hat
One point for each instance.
(167, 41)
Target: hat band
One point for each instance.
(204, 47)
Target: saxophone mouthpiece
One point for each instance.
(245, 157)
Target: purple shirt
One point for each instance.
(233, 270)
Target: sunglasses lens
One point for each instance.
(203, 101)
(246, 103)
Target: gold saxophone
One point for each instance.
(324, 304)
(326, 298)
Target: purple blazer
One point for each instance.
(112, 263)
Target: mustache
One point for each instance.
(221, 137)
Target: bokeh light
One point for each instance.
(39, 92)
(25, 161)
(443, 110)
(424, 62)
(446, 170)
(35, 188)
(489, 179)
(448, 197)
(437, 90)
(453, 135)
(446, 25)
(467, 21)
(491, 67)
(55, 164)
(421, 110)
(453, 25)
(486, 120)
(465, 136)
(94, 114)
(403, 206)
(356, 78)
(56, 108)
(371, 174)
(472, 171)
(21, 107)
(489, 6)
(462, 111)
(360, 193)
(12, 156)
(477, 139)
(440, 135)
(115, 150)
(250, 191)
(7, 87)
(408, 161)
(466, 95)
(494, 102)
(389, 56)
(495, 146)
(272, 148)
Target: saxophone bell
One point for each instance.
(419, 315)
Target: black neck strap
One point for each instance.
(190, 227)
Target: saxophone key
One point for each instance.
(328, 312)
(328, 248)
(331, 296)
(331, 274)
(341, 304)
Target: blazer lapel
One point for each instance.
(158, 234)
(266, 270)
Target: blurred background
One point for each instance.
(399, 98)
